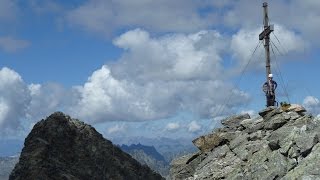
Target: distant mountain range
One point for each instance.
(149, 156)
(6, 166)
(168, 148)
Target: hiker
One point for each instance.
(269, 88)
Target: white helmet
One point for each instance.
(270, 75)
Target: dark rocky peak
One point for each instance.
(60, 147)
(283, 143)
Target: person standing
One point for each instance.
(269, 88)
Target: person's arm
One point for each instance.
(265, 87)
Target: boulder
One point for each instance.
(275, 122)
(208, 142)
(267, 110)
(296, 108)
(233, 122)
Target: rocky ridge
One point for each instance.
(280, 144)
(64, 148)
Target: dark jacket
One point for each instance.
(269, 87)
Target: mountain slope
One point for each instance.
(281, 144)
(64, 148)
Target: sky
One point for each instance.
(148, 68)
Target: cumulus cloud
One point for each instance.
(22, 104)
(194, 127)
(172, 126)
(46, 99)
(312, 104)
(159, 77)
(175, 56)
(11, 45)
(14, 99)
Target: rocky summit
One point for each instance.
(64, 148)
(282, 143)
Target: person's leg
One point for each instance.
(268, 101)
(273, 100)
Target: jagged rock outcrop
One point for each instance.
(149, 156)
(64, 148)
(280, 144)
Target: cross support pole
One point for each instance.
(265, 35)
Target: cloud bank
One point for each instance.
(156, 77)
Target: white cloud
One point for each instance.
(175, 56)
(172, 126)
(14, 98)
(194, 127)
(312, 104)
(159, 77)
(46, 99)
(11, 45)
(22, 104)
(155, 78)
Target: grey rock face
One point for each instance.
(64, 148)
(278, 145)
(233, 122)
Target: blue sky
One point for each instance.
(150, 68)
